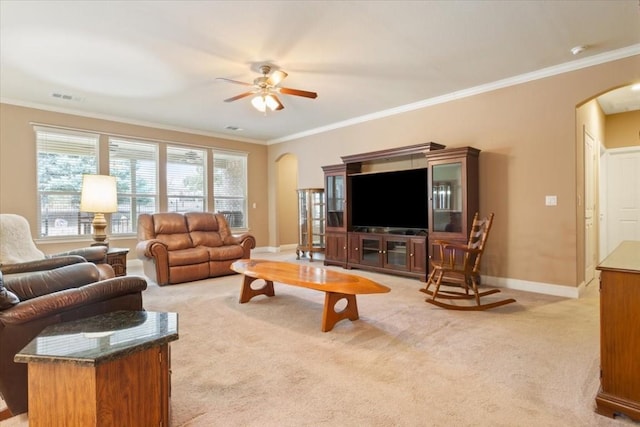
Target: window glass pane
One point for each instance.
(135, 166)
(230, 187)
(186, 179)
(63, 157)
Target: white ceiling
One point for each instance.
(156, 62)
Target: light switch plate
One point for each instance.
(551, 200)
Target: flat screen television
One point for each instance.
(397, 199)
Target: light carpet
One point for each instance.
(403, 363)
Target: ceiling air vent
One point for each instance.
(66, 97)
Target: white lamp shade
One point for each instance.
(99, 194)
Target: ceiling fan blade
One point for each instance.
(242, 95)
(297, 92)
(280, 106)
(276, 77)
(233, 81)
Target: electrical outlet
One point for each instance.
(551, 200)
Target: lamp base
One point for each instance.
(99, 225)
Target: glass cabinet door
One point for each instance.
(446, 197)
(395, 253)
(335, 185)
(317, 218)
(303, 217)
(371, 250)
(311, 226)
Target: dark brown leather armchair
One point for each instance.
(19, 254)
(29, 303)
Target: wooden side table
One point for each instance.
(108, 370)
(117, 258)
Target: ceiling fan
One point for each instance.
(266, 88)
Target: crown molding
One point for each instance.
(118, 119)
(511, 81)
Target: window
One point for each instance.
(186, 179)
(230, 187)
(135, 166)
(62, 158)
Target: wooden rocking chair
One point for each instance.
(459, 266)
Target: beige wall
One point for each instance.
(527, 134)
(18, 170)
(623, 130)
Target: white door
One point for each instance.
(589, 207)
(623, 196)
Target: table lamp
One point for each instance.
(99, 196)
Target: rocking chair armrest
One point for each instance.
(459, 247)
(449, 251)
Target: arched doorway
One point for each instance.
(606, 133)
(286, 201)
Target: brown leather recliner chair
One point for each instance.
(29, 303)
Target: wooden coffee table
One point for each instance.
(335, 285)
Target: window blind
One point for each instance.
(186, 179)
(135, 166)
(62, 158)
(230, 187)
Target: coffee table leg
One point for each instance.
(330, 316)
(248, 292)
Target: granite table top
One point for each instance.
(101, 338)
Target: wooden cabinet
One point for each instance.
(117, 258)
(335, 248)
(452, 177)
(418, 256)
(95, 392)
(454, 194)
(337, 212)
(620, 332)
(311, 223)
(404, 255)
(111, 369)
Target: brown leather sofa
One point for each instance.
(176, 248)
(29, 303)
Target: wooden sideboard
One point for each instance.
(620, 332)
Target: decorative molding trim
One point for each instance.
(289, 247)
(511, 81)
(62, 110)
(537, 287)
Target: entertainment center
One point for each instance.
(385, 209)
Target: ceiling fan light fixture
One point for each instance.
(259, 103)
(271, 102)
(262, 102)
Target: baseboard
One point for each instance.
(537, 287)
(274, 249)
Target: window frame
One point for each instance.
(103, 165)
(133, 195)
